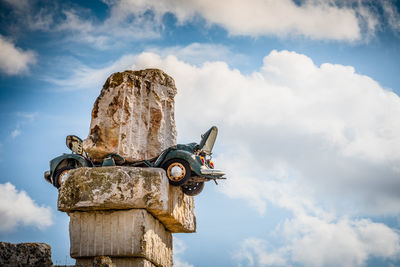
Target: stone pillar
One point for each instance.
(125, 213)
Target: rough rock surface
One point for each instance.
(119, 188)
(126, 233)
(103, 261)
(133, 116)
(25, 254)
(119, 262)
(179, 217)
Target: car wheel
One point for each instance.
(192, 188)
(59, 175)
(178, 171)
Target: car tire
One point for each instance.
(58, 175)
(192, 188)
(178, 171)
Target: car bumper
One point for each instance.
(214, 172)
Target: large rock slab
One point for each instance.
(25, 254)
(133, 116)
(124, 233)
(117, 188)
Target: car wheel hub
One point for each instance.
(176, 171)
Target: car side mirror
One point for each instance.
(74, 143)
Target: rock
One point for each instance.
(133, 116)
(119, 188)
(103, 261)
(179, 217)
(25, 254)
(119, 262)
(125, 233)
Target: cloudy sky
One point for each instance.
(305, 94)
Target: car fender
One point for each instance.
(54, 163)
(193, 160)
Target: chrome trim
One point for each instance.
(206, 171)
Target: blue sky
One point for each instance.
(305, 94)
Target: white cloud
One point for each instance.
(179, 249)
(133, 20)
(18, 4)
(315, 242)
(312, 241)
(179, 263)
(315, 19)
(84, 77)
(195, 53)
(83, 27)
(392, 15)
(254, 252)
(14, 60)
(17, 208)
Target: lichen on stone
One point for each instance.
(116, 188)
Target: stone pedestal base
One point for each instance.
(125, 213)
(123, 233)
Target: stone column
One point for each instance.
(125, 213)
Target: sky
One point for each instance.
(305, 94)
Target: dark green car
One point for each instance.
(188, 166)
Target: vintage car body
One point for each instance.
(188, 166)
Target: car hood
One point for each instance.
(208, 139)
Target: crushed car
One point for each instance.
(188, 166)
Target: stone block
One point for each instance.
(116, 188)
(25, 254)
(118, 262)
(179, 216)
(123, 233)
(133, 116)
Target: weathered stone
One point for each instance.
(125, 233)
(118, 262)
(179, 217)
(103, 261)
(133, 116)
(117, 188)
(25, 254)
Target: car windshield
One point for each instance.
(208, 140)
